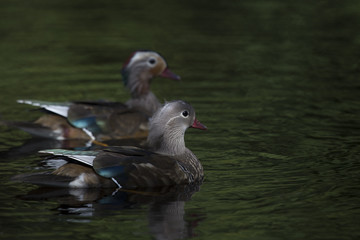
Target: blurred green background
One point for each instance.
(276, 82)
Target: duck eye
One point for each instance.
(185, 114)
(152, 61)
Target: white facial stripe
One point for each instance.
(140, 55)
(171, 119)
(136, 57)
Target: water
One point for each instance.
(275, 82)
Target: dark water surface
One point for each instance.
(276, 82)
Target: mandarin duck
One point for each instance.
(102, 120)
(165, 162)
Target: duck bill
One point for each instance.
(169, 74)
(198, 125)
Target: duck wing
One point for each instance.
(109, 118)
(139, 168)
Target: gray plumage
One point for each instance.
(102, 120)
(166, 162)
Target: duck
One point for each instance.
(104, 120)
(165, 161)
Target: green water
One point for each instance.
(276, 82)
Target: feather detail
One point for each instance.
(85, 157)
(54, 107)
(44, 179)
(168, 163)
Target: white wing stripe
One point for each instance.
(58, 109)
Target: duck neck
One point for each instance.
(137, 81)
(166, 141)
(146, 103)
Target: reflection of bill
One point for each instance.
(166, 212)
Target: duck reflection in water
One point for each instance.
(90, 177)
(166, 206)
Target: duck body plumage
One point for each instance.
(128, 167)
(165, 162)
(103, 120)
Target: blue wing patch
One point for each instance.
(89, 123)
(110, 172)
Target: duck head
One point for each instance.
(168, 126)
(140, 68)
